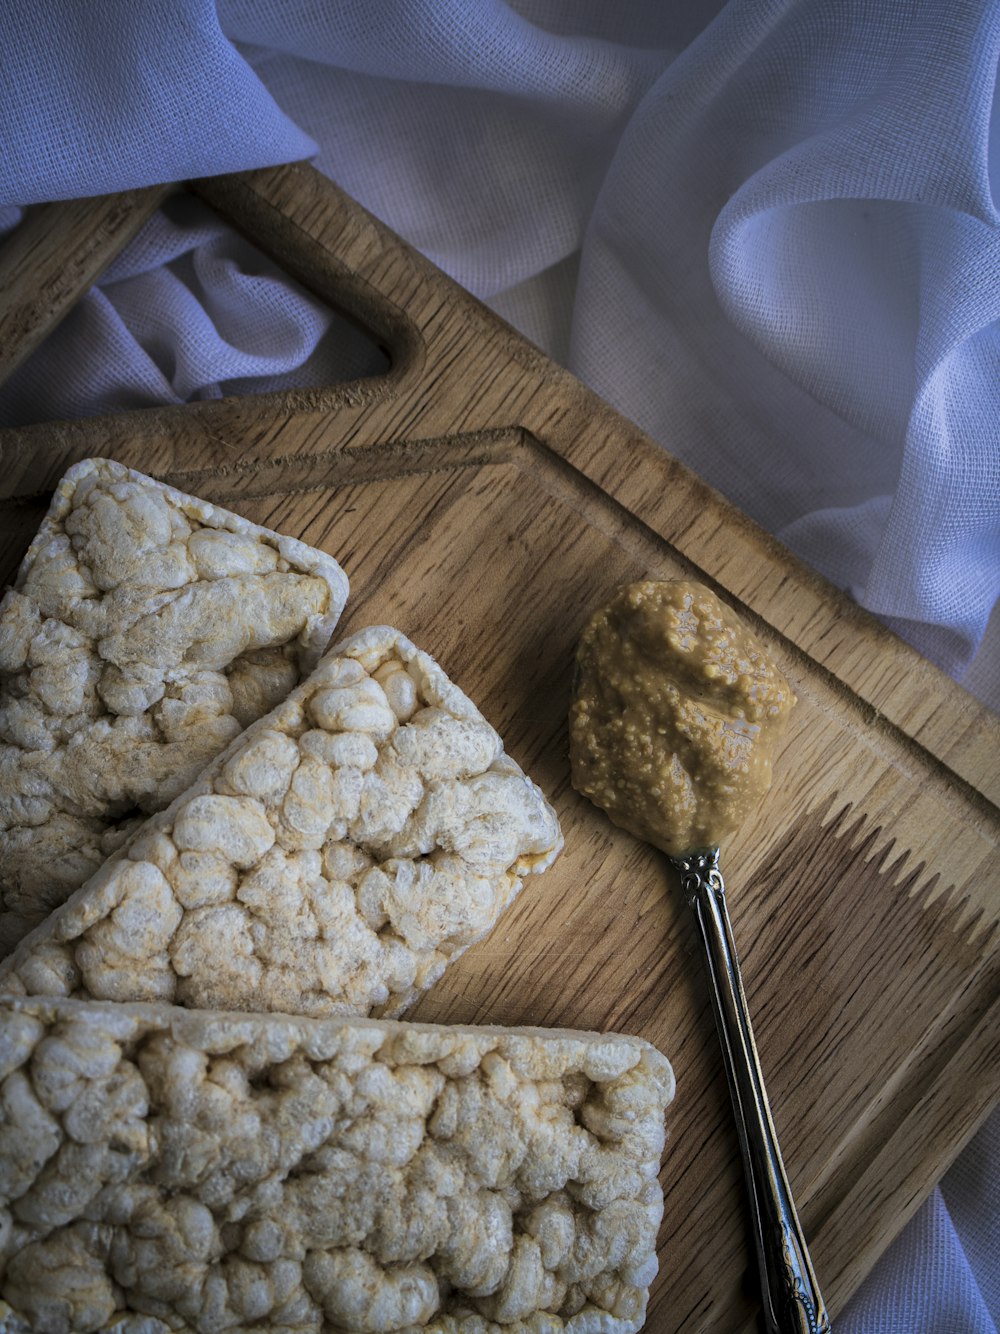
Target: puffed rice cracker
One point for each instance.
(216, 1171)
(144, 630)
(332, 860)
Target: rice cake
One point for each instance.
(213, 1171)
(144, 630)
(331, 861)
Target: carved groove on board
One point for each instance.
(381, 461)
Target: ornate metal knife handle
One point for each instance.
(791, 1296)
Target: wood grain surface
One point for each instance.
(485, 502)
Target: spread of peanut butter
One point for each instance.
(675, 717)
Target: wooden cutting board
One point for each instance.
(484, 502)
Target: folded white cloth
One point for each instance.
(765, 230)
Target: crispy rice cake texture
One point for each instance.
(167, 1169)
(145, 628)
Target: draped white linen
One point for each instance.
(766, 230)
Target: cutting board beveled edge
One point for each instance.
(463, 389)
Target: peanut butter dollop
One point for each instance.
(676, 714)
